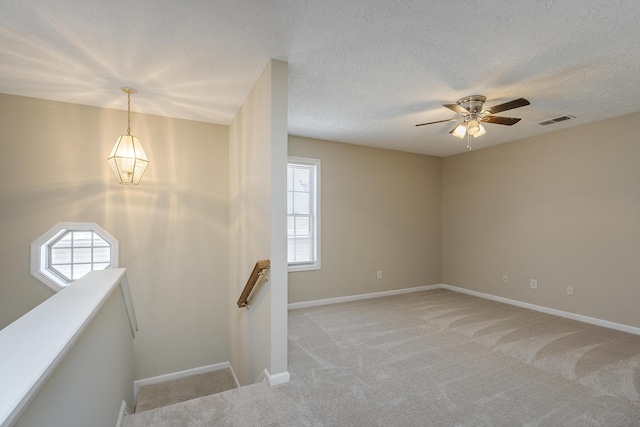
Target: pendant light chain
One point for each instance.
(128, 112)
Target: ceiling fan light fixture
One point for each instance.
(480, 132)
(459, 131)
(473, 127)
(472, 110)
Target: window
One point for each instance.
(303, 214)
(68, 251)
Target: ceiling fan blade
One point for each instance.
(455, 107)
(516, 103)
(439, 121)
(499, 120)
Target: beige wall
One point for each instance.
(562, 208)
(172, 228)
(381, 210)
(258, 158)
(89, 384)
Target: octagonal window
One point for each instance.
(68, 251)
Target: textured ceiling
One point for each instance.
(363, 72)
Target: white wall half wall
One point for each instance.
(69, 361)
(258, 159)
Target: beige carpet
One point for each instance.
(170, 392)
(435, 358)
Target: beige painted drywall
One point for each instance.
(380, 210)
(562, 208)
(172, 228)
(89, 384)
(258, 150)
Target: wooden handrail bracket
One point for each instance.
(259, 271)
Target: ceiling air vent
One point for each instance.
(556, 120)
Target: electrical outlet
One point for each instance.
(505, 279)
(569, 290)
(379, 274)
(534, 284)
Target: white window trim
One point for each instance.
(39, 248)
(318, 181)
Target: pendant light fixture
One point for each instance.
(127, 159)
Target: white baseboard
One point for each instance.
(281, 378)
(177, 375)
(350, 298)
(235, 378)
(121, 414)
(275, 379)
(555, 312)
(264, 376)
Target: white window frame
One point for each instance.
(40, 266)
(315, 265)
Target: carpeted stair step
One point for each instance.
(170, 392)
(228, 408)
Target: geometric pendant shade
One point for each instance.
(127, 159)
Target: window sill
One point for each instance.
(297, 268)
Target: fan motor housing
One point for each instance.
(473, 103)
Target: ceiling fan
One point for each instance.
(473, 113)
